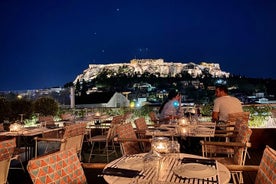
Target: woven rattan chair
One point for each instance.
(266, 171)
(47, 120)
(233, 136)
(154, 118)
(231, 128)
(129, 143)
(212, 149)
(107, 139)
(141, 128)
(16, 156)
(116, 120)
(67, 117)
(6, 152)
(227, 129)
(59, 167)
(72, 138)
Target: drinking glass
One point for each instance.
(152, 163)
(43, 124)
(174, 147)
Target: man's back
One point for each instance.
(226, 105)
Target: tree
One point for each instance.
(84, 88)
(21, 106)
(46, 106)
(5, 109)
(78, 88)
(68, 85)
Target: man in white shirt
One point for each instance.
(224, 104)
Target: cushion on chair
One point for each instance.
(60, 167)
(7, 148)
(267, 169)
(6, 151)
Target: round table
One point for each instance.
(167, 165)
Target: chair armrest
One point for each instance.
(140, 131)
(226, 131)
(225, 144)
(248, 168)
(49, 139)
(225, 135)
(225, 125)
(93, 165)
(131, 140)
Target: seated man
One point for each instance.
(224, 104)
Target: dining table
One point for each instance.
(200, 129)
(100, 122)
(25, 137)
(165, 169)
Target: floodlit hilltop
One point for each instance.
(152, 66)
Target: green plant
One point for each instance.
(21, 106)
(81, 113)
(257, 121)
(46, 106)
(115, 111)
(258, 114)
(142, 111)
(206, 110)
(31, 121)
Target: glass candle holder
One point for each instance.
(160, 145)
(183, 122)
(15, 127)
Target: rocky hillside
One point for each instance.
(152, 66)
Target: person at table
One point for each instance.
(224, 104)
(171, 107)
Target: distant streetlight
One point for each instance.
(21, 117)
(132, 104)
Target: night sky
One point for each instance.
(47, 43)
